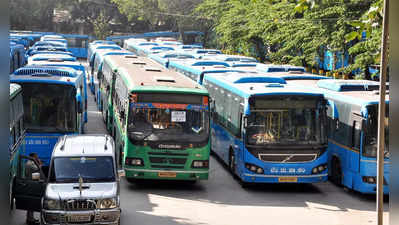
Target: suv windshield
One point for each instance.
(91, 169)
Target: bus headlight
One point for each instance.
(200, 164)
(108, 203)
(134, 162)
(319, 168)
(254, 168)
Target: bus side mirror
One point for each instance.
(123, 114)
(121, 173)
(80, 108)
(245, 121)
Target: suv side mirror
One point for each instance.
(121, 173)
(36, 176)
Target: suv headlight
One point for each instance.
(51, 204)
(108, 203)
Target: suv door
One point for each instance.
(27, 192)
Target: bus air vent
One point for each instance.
(35, 71)
(274, 85)
(138, 63)
(165, 79)
(295, 71)
(153, 69)
(131, 56)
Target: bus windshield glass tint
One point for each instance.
(178, 125)
(285, 122)
(370, 141)
(49, 107)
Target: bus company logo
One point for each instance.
(169, 146)
(287, 170)
(36, 142)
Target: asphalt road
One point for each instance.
(222, 201)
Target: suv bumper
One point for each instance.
(98, 216)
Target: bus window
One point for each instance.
(356, 134)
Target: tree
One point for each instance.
(32, 14)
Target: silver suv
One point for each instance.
(82, 185)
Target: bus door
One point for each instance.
(356, 122)
(29, 185)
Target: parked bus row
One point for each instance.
(311, 131)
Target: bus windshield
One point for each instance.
(163, 125)
(91, 169)
(49, 107)
(285, 123)
(370, 140)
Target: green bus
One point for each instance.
(159, 120)
(16, 143)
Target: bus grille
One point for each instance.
(166, 160)
(287, 158)
(77, 205)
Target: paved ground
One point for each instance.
(222, 201)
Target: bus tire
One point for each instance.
(244, 184)
(336, 173)
(11, 196)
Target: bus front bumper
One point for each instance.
(166, 174)
(264, 178)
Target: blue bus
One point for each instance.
(16, 145)
(61, 56)
(353, 125)
(93, 48)
(268, 131)
(80, 71)
(78, 44)
(52, 101)
(17, 56)
(164, 58)
(96, 73)
(138, 47)
(272, 68)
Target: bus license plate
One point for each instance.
(288, 179)
(167, 174)
(78, 218)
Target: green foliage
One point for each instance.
(295, 31)
(101, 27)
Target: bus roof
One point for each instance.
(41, 57)
(45, 70)
(248, 88)
(349, 91)
(143, 74)
(294, 75)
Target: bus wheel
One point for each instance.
(244, 184)
(336, 173)
(11, 197)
